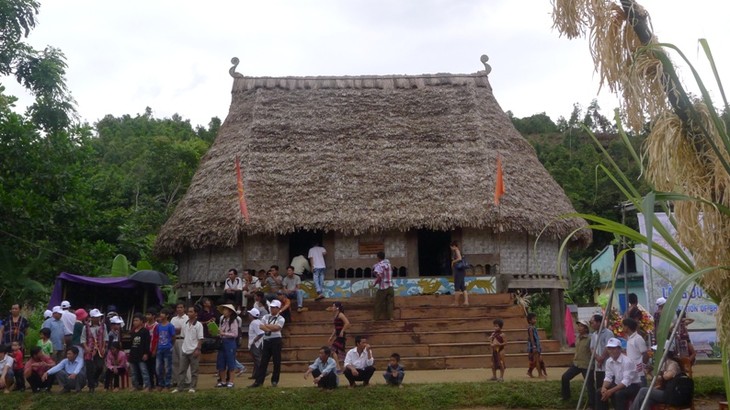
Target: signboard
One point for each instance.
(370, 248)
(658, 282)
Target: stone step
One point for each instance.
(485, 299)
(408, 325)
(319, 314)
(300, 340)
(414, 350)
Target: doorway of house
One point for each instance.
(299, 243)
(434, 255)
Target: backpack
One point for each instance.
(679, 390)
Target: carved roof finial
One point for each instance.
(487, 68)
(232, 70)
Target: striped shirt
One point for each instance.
(384, 272)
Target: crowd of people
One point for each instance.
(617, 375)
(83, 348)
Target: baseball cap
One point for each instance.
(57, 309)
(585, 323)
(613, 342)
(661, 301)
(254, 312)
(65, 304)
(95, 313)
(275, 304)
(81, 315)
(47, 314)
(116, 320)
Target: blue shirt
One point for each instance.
(166, 335)
(68, 366)
(324, 368)
(58, 330)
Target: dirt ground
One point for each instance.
(438, 376)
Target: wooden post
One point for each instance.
(557, 315)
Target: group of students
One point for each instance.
(619, 376)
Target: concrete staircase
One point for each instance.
(426, 332)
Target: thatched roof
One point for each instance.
(365, 154)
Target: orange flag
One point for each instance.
(241, 196)
(499, 185)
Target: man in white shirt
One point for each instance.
(316, 261)
(598, 348)
(359, 362)
(233, 288)
(192, 333)
(301, 265)
(636, 349)
(7, 376)
(621, 383)
(69, 320)
(255, 339)
(271, 324)
(179, 320)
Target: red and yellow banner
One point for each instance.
(241, 194)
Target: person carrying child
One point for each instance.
(394, 373)
(496, 340)
(534, 349)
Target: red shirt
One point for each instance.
(18, 357)
(46, 363)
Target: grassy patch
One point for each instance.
(416, 396)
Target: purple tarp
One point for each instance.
(91, 282)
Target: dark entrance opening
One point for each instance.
(434, 255)
(299, 244)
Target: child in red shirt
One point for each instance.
(18, 367)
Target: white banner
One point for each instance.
(659, 282)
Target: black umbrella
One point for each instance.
(152, 277)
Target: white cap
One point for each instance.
(254, 312)
(95, 313)
(116, 320)
(275, 303)
(56, 309)
(47, 314)
(65, 304)
(613, 342)
(661, 301)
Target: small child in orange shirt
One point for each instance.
(498, 343)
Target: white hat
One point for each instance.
(661, 301)
(47, 314)
(275, 303)
(254, 312)
(613, 342)
(585, 323)
(95, 313)
(116, 320)
(65, 304)
(56, 309)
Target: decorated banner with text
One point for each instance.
(658, 282)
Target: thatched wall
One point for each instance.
(516, 254)
(365, 154)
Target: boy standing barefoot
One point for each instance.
(498, 343)
(534, 349)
